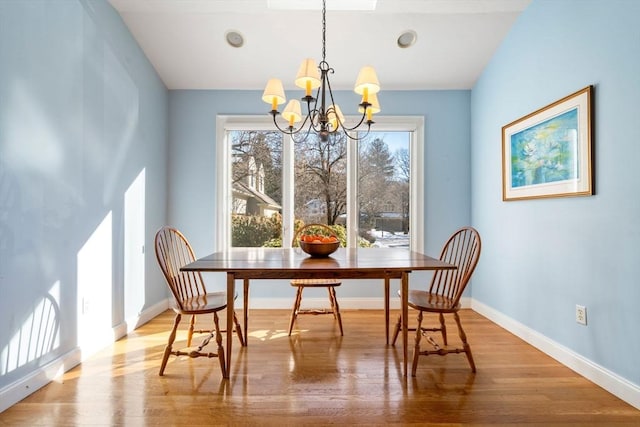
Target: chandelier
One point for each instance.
(323, 115)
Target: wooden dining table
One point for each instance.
(291, 263)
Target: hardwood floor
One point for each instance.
(317, 377)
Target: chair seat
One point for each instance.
(202, 304)
(426, 301)
(319, 283)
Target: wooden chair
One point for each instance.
(191, 297)
(301, 284)
(443, 297)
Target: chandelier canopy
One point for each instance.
(323, 115)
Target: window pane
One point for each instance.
(383, 188)
(256, 171)
(321, 180)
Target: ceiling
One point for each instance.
(185, 40)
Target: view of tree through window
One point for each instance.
(321, 179)
(383, 188)
(320, 182)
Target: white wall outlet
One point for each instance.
(581, 314)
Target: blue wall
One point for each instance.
(83, 116)
(192, 197)
(542, 257)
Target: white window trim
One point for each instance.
(413, 124)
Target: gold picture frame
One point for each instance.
(549, 153)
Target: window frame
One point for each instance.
(225, 123)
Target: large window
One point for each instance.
(369, 189)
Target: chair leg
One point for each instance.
(223, 365)
(332, 301)
(296, 307)
(397, 330)
(336, 308)
(192, 324)
(167, 349)
(243, 342)
(416, 351)
(245, 312)
(443, 329)
(465, 345)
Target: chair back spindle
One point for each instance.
(173, 252)
(462, 250)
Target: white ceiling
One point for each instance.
(185, 40)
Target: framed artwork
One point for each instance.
(548, 153)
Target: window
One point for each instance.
(372, 187)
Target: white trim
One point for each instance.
(288, 202)
(368, 303)
(613, 383)
(352, 191)
(35, 380)
(221, 218)
(610, 381)
(413, 124)
(135, 322)
(417, 184)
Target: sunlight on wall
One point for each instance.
(134, 273)
(38, 335)
(29, 130)
(94, 304)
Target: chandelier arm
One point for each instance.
(287, 131)
(359, 137)
(313, 114)
(303, 139)
(291, 131)
(369, 123)
(341, 124)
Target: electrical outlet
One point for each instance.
(581, 314)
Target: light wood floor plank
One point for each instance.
(317, 377)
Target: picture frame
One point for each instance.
(549, 153)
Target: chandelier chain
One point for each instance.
(324, 30)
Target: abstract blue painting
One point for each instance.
(549, 153)
(546, 152)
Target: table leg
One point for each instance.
(405, 318)
(386, 308)
(231, 292)
(246, 311)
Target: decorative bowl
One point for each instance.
(319, 249)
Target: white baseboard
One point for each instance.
(143, 317)
(374, 303)
(613, 383)
(318, 302)
(18, 390)
(616, 385)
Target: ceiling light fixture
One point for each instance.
(324, 119)
(407, 39)
(234, 39)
